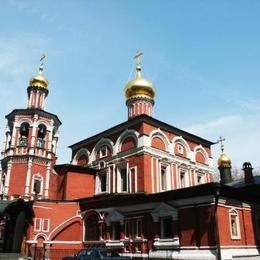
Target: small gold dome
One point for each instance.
(139, 87)
(224, 161)
(39, 81)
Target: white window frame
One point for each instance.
(234, 213)
(202, 178)
(40, 224)
(136, 229)
(103, 148)
(98, 183)
(185, 173)
(48, 224)
(39, 177)
(119, 179)
(132, 171)
(165, 167)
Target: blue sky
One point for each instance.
(203, 57)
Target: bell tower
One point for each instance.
(30, 146)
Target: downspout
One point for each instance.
(216, 225)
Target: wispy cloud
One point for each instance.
(18, 58)
(242, 133)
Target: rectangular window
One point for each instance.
(133, 183)
(23, 141)
(116, 231)
(45, 225)
(133, 228)
(40, 143)
(103, 152)
(103, 182)
(182, 179)
(37, 224)
(138, 228)
(127, 229)
(166, 227)
(163, 177)
(123, 176)
(199, 178)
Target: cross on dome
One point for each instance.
(42, 61)
(137, 58)
(221, 141)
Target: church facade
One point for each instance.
(142, 187)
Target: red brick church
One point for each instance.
(142, 187)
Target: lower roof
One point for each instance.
(213, 189)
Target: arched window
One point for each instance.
(82, 160)
(41, 135)
(234, 224)
(200, 157)
(24, 133)
(128, 143)
(158, 143)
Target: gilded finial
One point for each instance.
(42, 61)
(137, 59)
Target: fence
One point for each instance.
(41, 253)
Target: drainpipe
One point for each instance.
(216, 225)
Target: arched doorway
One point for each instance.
(92, 230)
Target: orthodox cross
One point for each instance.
(137, 58)
(42, 61)
(221, 141)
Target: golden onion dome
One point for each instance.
(224, 161)
(39, 81)
(139, 87)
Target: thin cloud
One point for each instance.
(242, 134)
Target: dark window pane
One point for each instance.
(166, 227)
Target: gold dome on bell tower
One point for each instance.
(39, 81)
(139, 87)
(38, 88)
